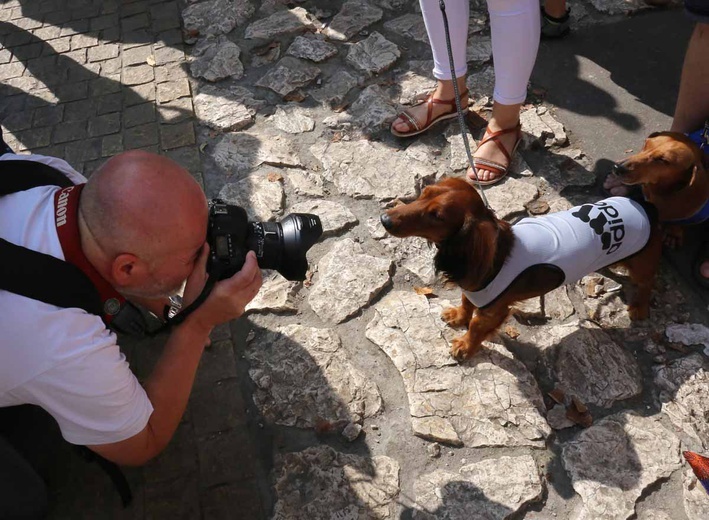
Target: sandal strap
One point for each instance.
(430, 101)
(495, 138)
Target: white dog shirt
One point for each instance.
(577, 241)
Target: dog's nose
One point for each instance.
(619, 169)
(386, 221)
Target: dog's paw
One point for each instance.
(638, 313)
(455, 317)
(461, 349)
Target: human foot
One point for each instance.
(494, 154)
(423, 116)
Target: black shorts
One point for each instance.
(698, 10)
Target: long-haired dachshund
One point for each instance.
(497, 264)
(671, 170)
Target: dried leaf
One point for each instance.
(202, 147)
(578, 404)
(511, 331)
(150, 60)
(274, 177)
(582, 419)
(629, 150)
(424, 291)
(558, 395)
(337, 137)
(678, 347)
(296, 96)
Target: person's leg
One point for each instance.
(23, 494)
(555, 8)
(457, 12)
(555, 19)
(514, 26)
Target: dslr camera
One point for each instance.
(278, 245)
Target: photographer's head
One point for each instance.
(143, 222)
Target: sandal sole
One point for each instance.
(444, 117)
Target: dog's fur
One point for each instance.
(472, 247)
(671, 171)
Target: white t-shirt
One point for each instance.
(64, 360)
(577, 241)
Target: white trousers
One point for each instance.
(515, 30)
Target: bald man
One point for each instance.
(140, 225)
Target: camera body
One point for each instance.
(278, 245)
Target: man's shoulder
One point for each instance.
(39, 337)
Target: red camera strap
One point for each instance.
(66, 209)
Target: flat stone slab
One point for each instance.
(226, 108)
(217, 59)
(684, 395)
(354, 16)
(696, 504)
(614, 7)
(305, 183)
(322, 484)
(374, 54)
(334, 88)
(410, 26)
(492, 489)
(348, 279)
(276, 295)
(689, 334)
(416, 81)
(491, 400)
(615, 460)
(539, 125)
(241, 153)
(288, 75)
(479, 49)
(373, 110)
(303, 378)
(215, 17)
(311, 48)
(364, 169)
(414, 254)
(335, 217)
(280, 23)
(261, 197)
(510, 197)
(591, 366)
(293, 119)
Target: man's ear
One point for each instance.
(126, 268)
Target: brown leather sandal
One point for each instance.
(414, 128)
(500, 170)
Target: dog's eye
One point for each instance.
(435, 215)
(662, 160)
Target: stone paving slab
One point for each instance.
(336, 397)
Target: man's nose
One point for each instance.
(386, 221)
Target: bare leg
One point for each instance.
(555, 8)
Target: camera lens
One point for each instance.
(283, 245)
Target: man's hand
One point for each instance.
(229, 297)
(197, 279)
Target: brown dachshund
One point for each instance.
(473, 246)
(671, 172)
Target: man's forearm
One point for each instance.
(170, 384)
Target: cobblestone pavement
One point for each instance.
(336, 398)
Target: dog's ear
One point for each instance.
(654, 134)
(468, 255)
(686, 179)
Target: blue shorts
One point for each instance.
(698, 10)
